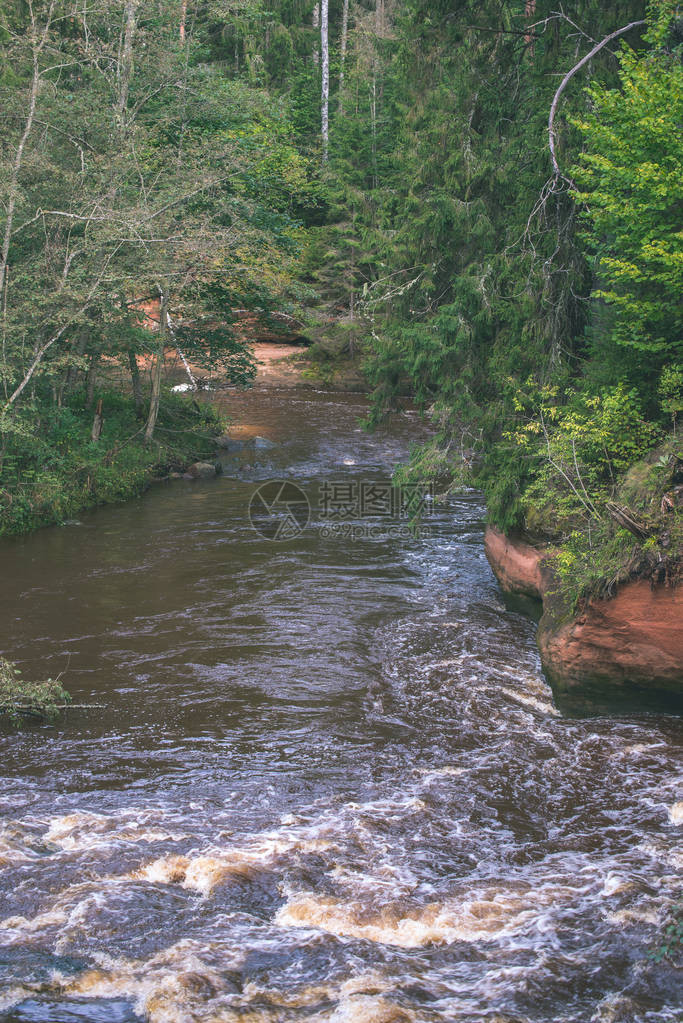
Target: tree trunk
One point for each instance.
(13, 189)
(156, 370)
(342, 53)
(91, 381)
(352, 310)
(38, 42)
(379, 32)
(155, 394)
(373, 118)
(174, 339)
(183, 19)
(137, 384)
(529, 12)
(325, 94)
(567, 78)
(71, 371)
(97, 423)
(125, 69)
(316, 26)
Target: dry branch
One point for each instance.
(568, 77)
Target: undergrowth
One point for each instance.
(52, 470)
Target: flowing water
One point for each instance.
(319, 779)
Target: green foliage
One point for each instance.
(671, 391)
(20, 699)
(52, 471)
(540, 329)
(592, 558)
(586, 569)
(133, 163)
(630, 179)
(550, 336)
(577, 447)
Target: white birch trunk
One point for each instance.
(325, 95)
(12, 191)
(186, 364)
(316, 26)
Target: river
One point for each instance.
(315, 779)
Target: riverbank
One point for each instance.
(625, 641)
(316, 366)
(60, 471)
(52, 476)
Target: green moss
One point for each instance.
(670, 944)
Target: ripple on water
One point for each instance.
(324, 781)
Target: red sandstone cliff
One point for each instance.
(516, 565)
(634, 638)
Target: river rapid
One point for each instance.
(320, 779)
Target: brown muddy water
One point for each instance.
(323, 779)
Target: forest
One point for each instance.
(480, 202)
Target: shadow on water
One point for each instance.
(618, 702)
(319, 778)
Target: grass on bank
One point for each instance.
(51, 470)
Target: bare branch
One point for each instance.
(568, 77)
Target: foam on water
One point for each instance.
(330, 783)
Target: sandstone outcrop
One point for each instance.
(516, 564)
(632, 639)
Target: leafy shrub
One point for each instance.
(671, 392)
(52, 470)
(576, 453)
(19, 699)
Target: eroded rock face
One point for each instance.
(516, 565)
(632, 639)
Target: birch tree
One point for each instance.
(315, 19)
(325, 92)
